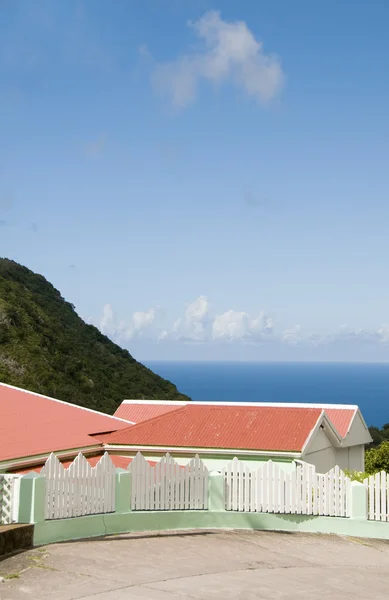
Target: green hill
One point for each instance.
(47, 348)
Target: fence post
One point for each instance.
(123, 491)
(32, 497)
(216, 491)
(358, 501)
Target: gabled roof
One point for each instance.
(341, 418)
(224, 426)
(32, 424)
(138, 411)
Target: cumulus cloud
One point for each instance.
(228, 53)
(234, 325)
(198, 325)
(292, 335)
(107, 323)
(383, 333)
(121, 331)
(193, 326)
(141, 320)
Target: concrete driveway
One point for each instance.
(200, 566)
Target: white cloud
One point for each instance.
(193, 326)
(231, 325)
(199, 326)
(383, 333)
(228, 52)
(196, 325)
(121, 331)
(263, 324)
(107, 323)
(234, 325)
(141, 320)
(197, 310)
(292, 335)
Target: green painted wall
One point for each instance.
(32, 502)
(47, 532)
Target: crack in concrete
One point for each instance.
(156, 585)
(148, 587)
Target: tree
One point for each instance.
(377, 459)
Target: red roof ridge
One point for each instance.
(136, 425)
(277, 404)
(155, 402)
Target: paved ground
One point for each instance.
(201, 566)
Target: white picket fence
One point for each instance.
(270, 489)
(80, 489)
(378, 501)
(9, 498)
(167, 485)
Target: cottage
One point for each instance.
(323, 435)
(32, 426)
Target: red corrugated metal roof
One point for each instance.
(234, 427)
(341, 418)
(31, 424)
(138, 412)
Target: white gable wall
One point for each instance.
(321, 452)
(324, 455)
(352, 458)
(358, 433)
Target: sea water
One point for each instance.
(366, 385)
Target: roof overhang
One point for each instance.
(40, 459)
(201, 451)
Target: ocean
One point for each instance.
(366, 385)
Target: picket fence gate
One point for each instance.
(80, 489)
(378, 490)
(9, 498)
(167, 485)
(270, 489)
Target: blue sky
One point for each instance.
(203, 181)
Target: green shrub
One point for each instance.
(377, 459)
(356, 475)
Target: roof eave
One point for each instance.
(190, 450)
(37, 459)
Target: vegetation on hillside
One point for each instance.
(379, 435)
(47, 348)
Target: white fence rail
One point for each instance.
(378, 490)
(9, 498)
(167, 485)
(80, 489)
(271, 489)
